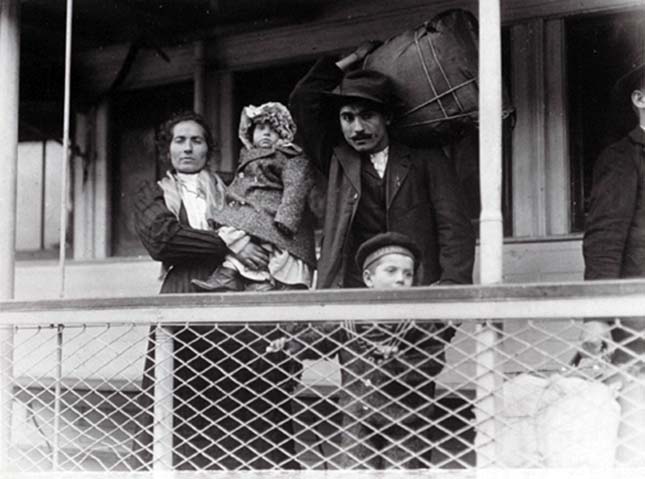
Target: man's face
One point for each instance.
(188, 147)
(391, 271)
(364, 128)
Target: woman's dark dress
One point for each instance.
(232, 405)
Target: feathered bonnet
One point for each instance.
(275, 114)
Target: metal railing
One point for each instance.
(201, 382)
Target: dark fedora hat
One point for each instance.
(367, 85)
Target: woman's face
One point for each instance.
(188, 147)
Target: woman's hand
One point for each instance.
(253, 256)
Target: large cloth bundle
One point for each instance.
(557, 422)
(434, 69)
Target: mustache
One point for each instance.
(361, 136)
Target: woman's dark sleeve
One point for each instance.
(164, 237)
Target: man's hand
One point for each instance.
(359, 54)
(366, 48)
(253, 256)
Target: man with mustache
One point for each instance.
(376, 185)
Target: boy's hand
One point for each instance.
(277, 345)
(595, 337)
(383, 353)
(285, 344)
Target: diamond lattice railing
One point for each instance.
(325, 395)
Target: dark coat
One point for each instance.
(389, 391)
(614, 240)
(423, 194)
(268, 200)
(227, 391)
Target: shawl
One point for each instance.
(209, 185)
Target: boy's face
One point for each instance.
(264, 136)
(391, 271)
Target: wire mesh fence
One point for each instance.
(331, 395)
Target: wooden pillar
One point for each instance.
(102, 180)
(82, 186)
(491, 226)
(163, 401)
(9, 100)
(199, 78)
(9, 94)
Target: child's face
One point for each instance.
(264, 136)
(391, 271)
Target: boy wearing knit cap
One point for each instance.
(387, 369)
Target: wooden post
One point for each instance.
(163, 401)
(9, 100)
(65, 159)
(491, 230)
(199, 78)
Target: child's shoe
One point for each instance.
(222, 279)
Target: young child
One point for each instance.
(387, 369)
(266, 203)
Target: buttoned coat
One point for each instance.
(424, 199)
(268, 200)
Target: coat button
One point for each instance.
(241, 174)
(355, 197)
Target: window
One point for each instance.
(38, 199)
(134, 119)
(600, 49)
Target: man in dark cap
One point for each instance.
(613, 248)
(376, 185)
(614, 239)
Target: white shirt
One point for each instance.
(194, 200)
(379, 161)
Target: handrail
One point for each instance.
(593, 299)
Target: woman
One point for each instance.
(228, 412)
